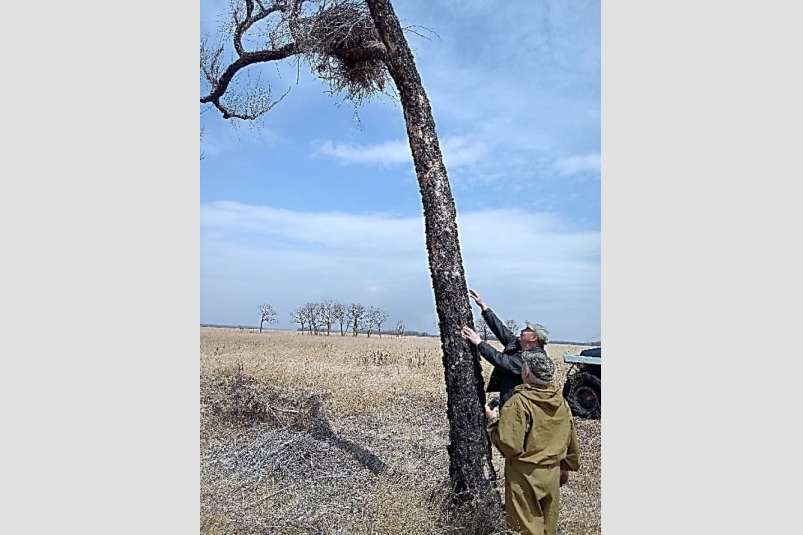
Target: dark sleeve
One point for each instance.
(511, 363)
(501, 332)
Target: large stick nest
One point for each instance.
(344, 49)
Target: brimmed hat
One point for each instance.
(541, 366)
(539, 330)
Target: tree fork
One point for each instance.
(470, 466)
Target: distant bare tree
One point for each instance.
(297, 316)
(327, 314)
(339, 313)
(354, 316)
(512, 326)
(482, 327)
(312, 314)
(382, 318)
(267, 315)
(400, 328)
(366, 324)
(376, 317)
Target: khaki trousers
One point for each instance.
(532, 497)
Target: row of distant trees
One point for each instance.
(321, 317)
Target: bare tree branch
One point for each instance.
(338, 40)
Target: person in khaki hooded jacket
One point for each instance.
(535, 434)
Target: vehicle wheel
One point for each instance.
(583, 391)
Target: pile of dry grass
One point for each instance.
(331, 434)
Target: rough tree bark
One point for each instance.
(470, 466)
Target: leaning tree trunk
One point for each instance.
(470, 466)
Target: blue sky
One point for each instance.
(312, 204)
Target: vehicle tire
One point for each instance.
(583, 391)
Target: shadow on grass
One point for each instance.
(322, 430)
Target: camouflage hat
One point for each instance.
(539, 330)
(541, 366)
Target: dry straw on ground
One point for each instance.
(332, 434)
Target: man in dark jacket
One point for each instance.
(507, 364)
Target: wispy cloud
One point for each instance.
(528, 93)
(458, 152)
(292, 257)
(366, 236)
(573, 165)
(383, 154)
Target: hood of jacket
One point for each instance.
(548, 398)
(535, 426)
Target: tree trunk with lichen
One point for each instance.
(342, 31)
(470, 467)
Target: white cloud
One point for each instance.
(251, 254)
(526, 90)
(458, 151)
(383, 154)
(574, 165)
(329, 231)
(462, 151)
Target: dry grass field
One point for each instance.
(328, 434)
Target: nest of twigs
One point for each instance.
(344, 49)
